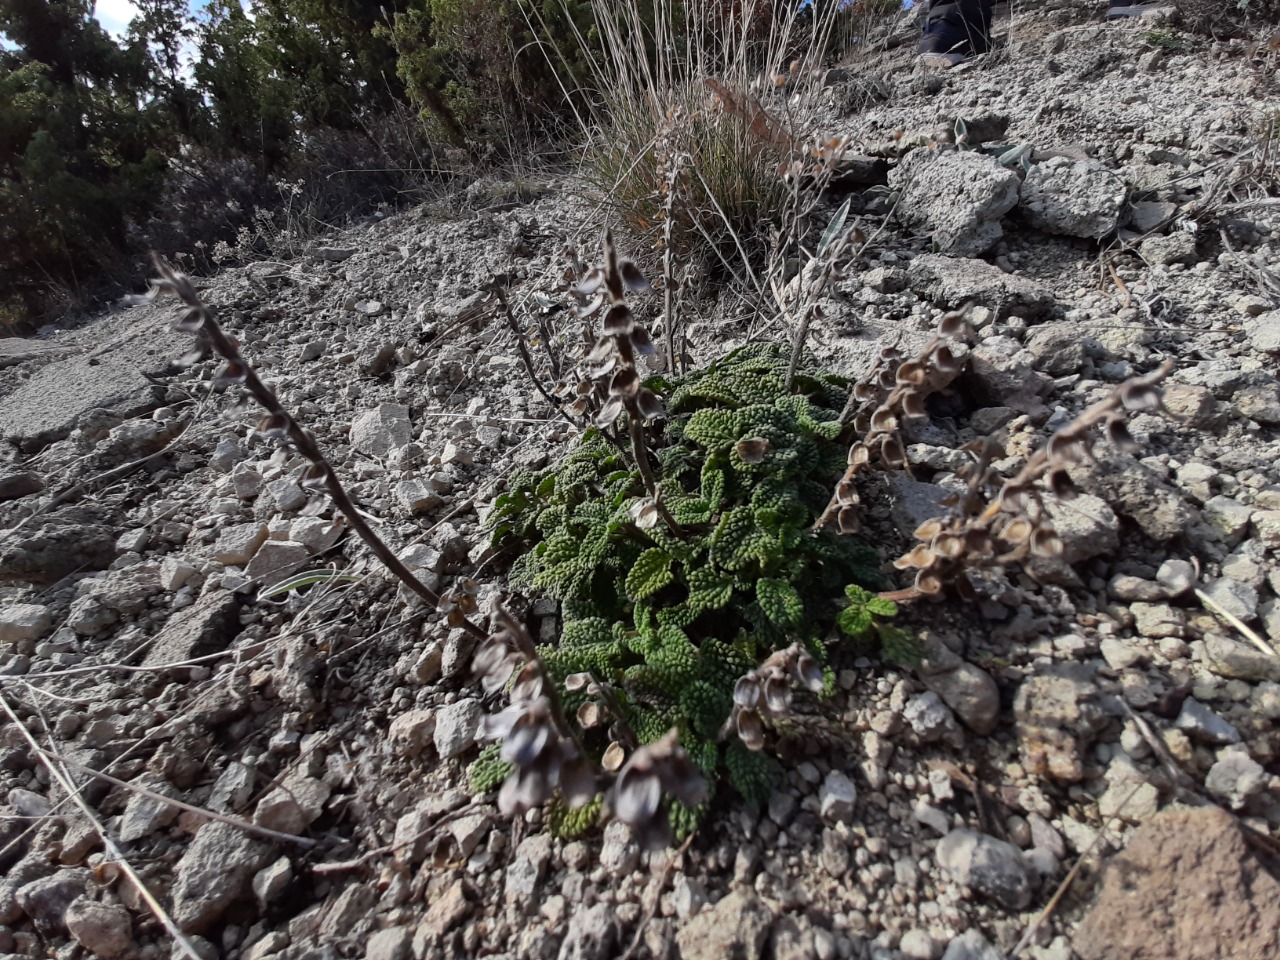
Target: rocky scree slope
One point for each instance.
(1117, 710)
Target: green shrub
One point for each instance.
(480, 69)
(673, 618)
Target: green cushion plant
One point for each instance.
(671, 620)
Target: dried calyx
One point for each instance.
(612, 360)
(536, 740)
(654, 770)
(199, 320)
(891, 393)
(983, 531)
(764, 695)
(547, 757)
(611, 364)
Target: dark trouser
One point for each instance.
(957, 26)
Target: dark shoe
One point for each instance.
(955, 30)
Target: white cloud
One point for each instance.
(114, 15)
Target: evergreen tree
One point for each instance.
(78, 146)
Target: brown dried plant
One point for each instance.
(546, 755)
(611, 365)
(985, 532)
(671, 170)
(536, 738)
(764, 128)
(199, 320)
(763, 695)
(891, 393)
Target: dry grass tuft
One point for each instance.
(695, 108)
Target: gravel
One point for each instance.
(345, 713)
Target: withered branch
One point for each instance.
(983, 532)
(199, 320)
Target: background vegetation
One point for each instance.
(174, 134)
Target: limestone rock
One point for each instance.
(204, 627)
(737, 926)
(1186, 884)
(77, 538)
(379, 431)
(991, 867)
(1264, 332)
(214, 872)
(1078, 198)
(1057, 716)
(23, 621)
(948, 281)
(958, 198)
(965, 688)
(104, 929)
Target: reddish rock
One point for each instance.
(1188, 887)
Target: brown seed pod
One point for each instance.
(928, 530)
(753, 450)
(928, 583)
(910, 374)
(1046, 543)
(847, 520)
(919, 557)
(948, 545)
(615, 755)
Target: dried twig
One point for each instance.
(113, 851)
(1065, 885)
(652, 909)
(1236, 622)
(199, 319)
(236, 822)
(342, 866)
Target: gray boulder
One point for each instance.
(950, 282)
(957, 198)
(1077, 198)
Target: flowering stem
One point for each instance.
(203, 322)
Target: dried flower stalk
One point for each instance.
(547, 756)
(537, 739)
(671, 162)
(199, 320)
(1014, 525)
(892, 393)
(764, 694)
(523, 349)
(613, 357)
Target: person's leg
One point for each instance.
(956, 29)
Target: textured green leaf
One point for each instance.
(693, 510)
(708, 589)
(734, 538)
(752, 774)
(881, 607)
(713, 484)
(780, 601)
(651, 572)
(855, 621)
(712, 428)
